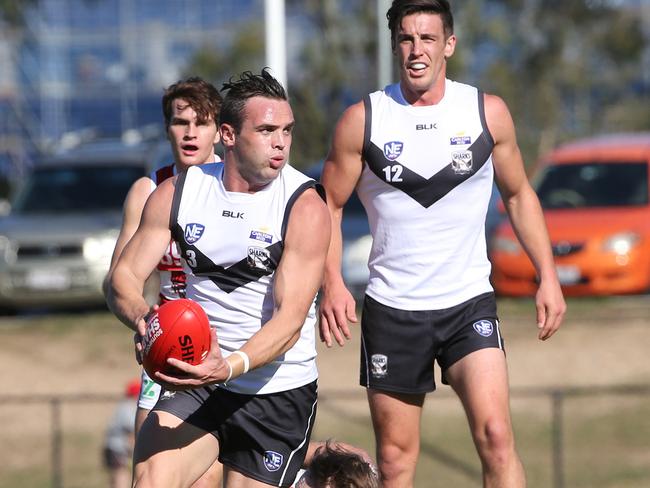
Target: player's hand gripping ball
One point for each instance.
(180, 329)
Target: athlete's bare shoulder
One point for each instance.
(498, 118)
(353, 116)
(349, 131)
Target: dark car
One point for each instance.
(57, 240)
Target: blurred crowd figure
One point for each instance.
(120, 438)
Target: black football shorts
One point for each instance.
(265, 437)
(399, 347)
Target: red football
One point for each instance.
(180, 330)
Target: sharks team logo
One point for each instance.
(259, 258)
(193, 232)
(379, 366)
(393, 149)
(461, 162)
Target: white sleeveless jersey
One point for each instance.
(426, 185)
(170, 269)
(231, 244)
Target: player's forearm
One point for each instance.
(125, 298)
(332, 274)
(528, 222)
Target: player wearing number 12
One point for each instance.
(254, 234)
(422, 155)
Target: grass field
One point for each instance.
(85, 359)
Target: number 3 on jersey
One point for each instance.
(190, 257)
(393, 173)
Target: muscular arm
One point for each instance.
(133, 206)
(297, 279)
(139, 258)
(525, 214)
(341, 173)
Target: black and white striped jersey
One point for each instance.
(231, 244)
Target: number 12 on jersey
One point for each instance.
(393, 173)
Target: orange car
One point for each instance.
(594, 193)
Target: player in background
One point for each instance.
(333, 464)
(191, 110)
(254, 234)
(422, 155)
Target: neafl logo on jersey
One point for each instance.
(393, 149)
(193, 232)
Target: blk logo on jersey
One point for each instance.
(483, 327)
(193, 232)
(461, 162)
(379, 366)
(233, 215)
(426, 126)
(393, 149)
(259, 258)
(273, 460)
(460, 141)
(258, 235)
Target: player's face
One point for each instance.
(261, 148)
(192, 142)
(422, 50)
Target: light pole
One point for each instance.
(275, 36)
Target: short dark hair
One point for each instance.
(336, 467)
(401, 8)
(202, 96)
(248, 85)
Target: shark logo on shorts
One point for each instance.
(379, 365)
(273, 460)
(483, 327)
(193, 232)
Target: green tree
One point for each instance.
(12, 12)
(337, 68)
(566, 68)
(219, 63)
